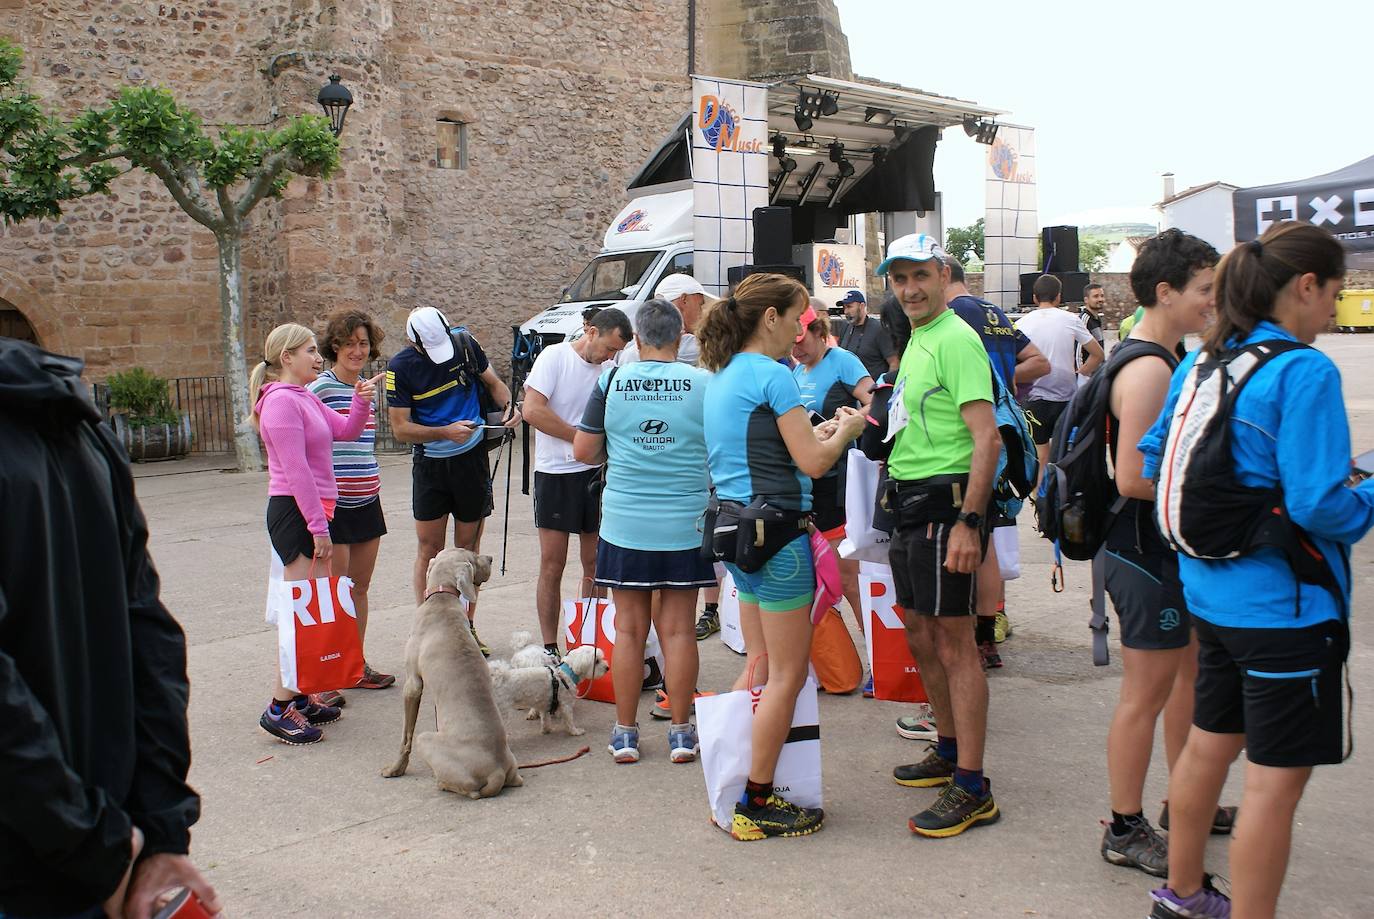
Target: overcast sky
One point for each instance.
(1119, 93)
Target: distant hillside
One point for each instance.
(1115, 232)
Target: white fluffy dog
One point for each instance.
(530, 682)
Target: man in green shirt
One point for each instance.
(940, 471)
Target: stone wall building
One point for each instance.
(487, 148)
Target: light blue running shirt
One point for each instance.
(748, 456)
(651, 413)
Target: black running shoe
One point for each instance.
(929, 772)
(708, 625)
(777, 817)
(315, 711)
(1222, 824)
(955, 811)
(1140, 846)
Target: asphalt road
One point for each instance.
(316, 831)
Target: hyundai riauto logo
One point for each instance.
(653, 427)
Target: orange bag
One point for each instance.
(833, 655)
(318, 647)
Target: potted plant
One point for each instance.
(144, 419)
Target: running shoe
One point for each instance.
(955, 811)
(331, 697)
(920, 726)
(373, 679)
(1140, 846)
(1001, 627)
(1222, 824)
(708, 624)
(481, 645)
(315, 711)
(868, 686)
(777, 817)
(992, 660)
(682, 743)
(664, 712)
(1207, 903)
(290, 726)
(932, 771)
(624, 745)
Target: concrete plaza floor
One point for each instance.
(316, 831)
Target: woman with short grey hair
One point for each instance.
(645, 420)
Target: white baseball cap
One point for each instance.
(675, 285)
(428, 328)
(916, 247)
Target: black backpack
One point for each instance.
(1078, 500)
(1201, 507)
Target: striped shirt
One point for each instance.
(355, 463)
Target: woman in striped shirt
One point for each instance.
(350, 340)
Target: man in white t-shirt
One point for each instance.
(566, 498)
(686, 293)
(1058, 334)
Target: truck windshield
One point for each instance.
(611, 277)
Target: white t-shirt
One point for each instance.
(1058, 334)
(566, 380)
(688, 351)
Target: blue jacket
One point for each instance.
(1289, 428)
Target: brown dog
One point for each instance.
(469, 753)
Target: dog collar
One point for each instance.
(443, 589)
(567, 671)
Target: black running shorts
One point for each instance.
(457, 485)
(1281, 688)
(1148, 596)
(924, 585)
(1043, 416)
(827, 506)
(568, 501)
(287, 529)
(354, 525)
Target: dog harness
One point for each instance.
(554, 672)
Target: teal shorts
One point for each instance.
(786, 582)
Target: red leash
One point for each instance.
(555, 762)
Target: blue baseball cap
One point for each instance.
(854, 296)
(916, 247)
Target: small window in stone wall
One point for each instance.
(452, 147)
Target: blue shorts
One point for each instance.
(786, 582)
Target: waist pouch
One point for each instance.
(748, 536)
(937, 499)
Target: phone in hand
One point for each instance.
(1364, 463)
(816, 418)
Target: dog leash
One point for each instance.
(555, 762)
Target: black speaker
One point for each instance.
(1061, 248)
(1073, 283)
(738, 273)
(772, 235)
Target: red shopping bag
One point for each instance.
(896, 677)
(317, 634)
(591, 621)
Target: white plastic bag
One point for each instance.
(861, 540)
(1008, 552)
(730, 631)
(725, 725)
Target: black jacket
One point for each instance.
(93, 732)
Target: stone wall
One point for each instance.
(769, 40)
(563, 104)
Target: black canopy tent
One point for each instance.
(1341, 201)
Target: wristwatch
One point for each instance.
(971, 519)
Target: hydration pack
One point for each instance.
(1017, 463)
(1201, 507)
(1078, 500)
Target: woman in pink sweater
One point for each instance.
(299, 433)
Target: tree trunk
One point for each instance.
(229, 242)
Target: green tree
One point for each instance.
(960, 241)
(44, 162)
(1093, 252)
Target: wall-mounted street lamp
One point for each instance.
(335, 99)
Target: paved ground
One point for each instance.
(317, 832)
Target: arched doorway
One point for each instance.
(13, 324)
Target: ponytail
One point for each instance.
(283, 338)
(1251, 275)
(727, 325)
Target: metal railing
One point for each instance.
(205, 400)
